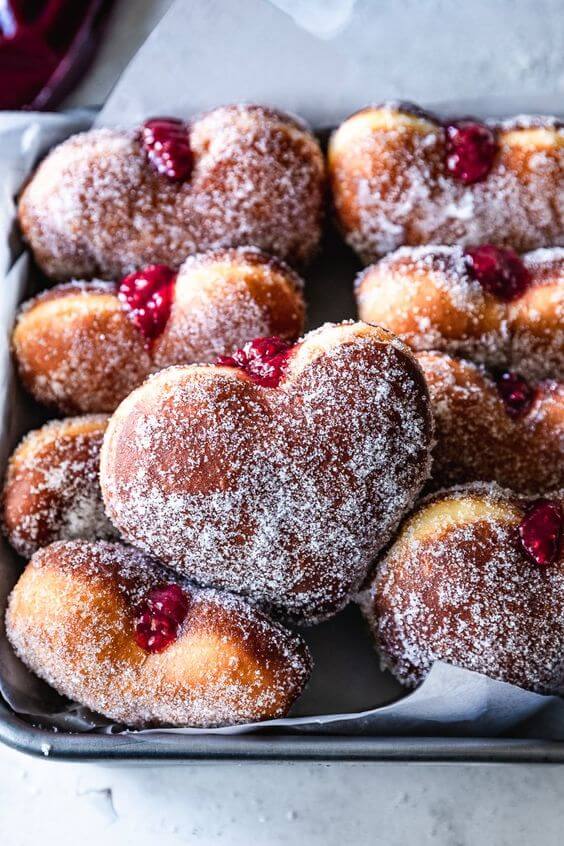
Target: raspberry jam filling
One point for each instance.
(167, 143)
(264, 359)
(499, 271)
(541, 531)
(471, 148)
(147, 295)
(516, 393)
(160, 617)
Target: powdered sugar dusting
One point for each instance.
(469, 595)
(71, 620)
(285, 495)
(97, 207)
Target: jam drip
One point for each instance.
(541, 531)
(147, 294)
(471, 149)
(167, 143)
(160, 617)
(499, 271)
(516, 393)
(263, 359)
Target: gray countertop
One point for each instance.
(420, 49)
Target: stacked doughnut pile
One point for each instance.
(224, 478)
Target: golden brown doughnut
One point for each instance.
(106, 202)
(111, 629)
(484, 304)
(52, 486)
(279, 474)
(83, 346)
(500, 428)
(401, 177)
(475, 578)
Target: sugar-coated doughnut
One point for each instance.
(112, 630)
(494, 427)
(400, 176)
(278, 474)
(225, 297)
(83, 346)
(106, 202)
(483, 303)
(475, 578)
(76, 350)
(52, 486)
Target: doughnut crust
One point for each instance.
(71, 619)
(458, 586)
(97, 208)
(284, 494)
(77, 349)
(224, 298)
(391, 186)
(52, 487)
(428, 297)
(477, 439)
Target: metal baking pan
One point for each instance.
(329, 298)
(268, 748)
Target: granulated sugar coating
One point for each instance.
(224, 297)
(457, 585)
(79, 347)
(71, 619)
(97, 207)
(478, 439)
(52, 487)
(283, 494)
(76, 349)
(391, 185)
(429, 298)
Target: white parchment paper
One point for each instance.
(202, 55)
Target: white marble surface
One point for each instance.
(51, 804)
(428, 49)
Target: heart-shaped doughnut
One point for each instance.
(111, 629)
(483, 303)
(279, 474)
(52, 487)
(475, 578)
(107, 202)
(83, 346)
(495, 428)
(402, 177)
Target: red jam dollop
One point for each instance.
(167, 143)
(263, 359)
(516, 393)
(499, 271)
(160, 617)
(471, 148)
(147, 295)
(45, 46)
(541, 531)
